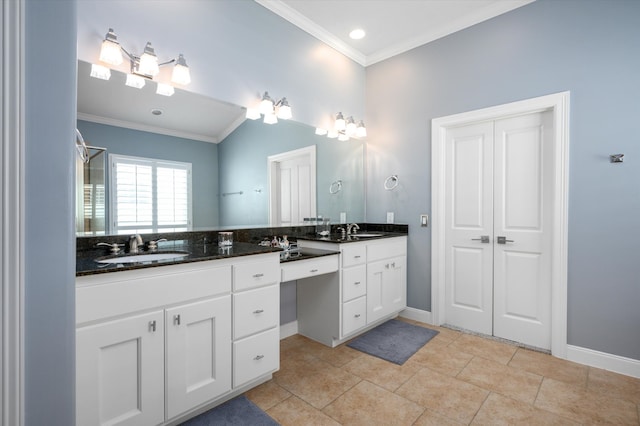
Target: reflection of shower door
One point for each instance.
(292, 184)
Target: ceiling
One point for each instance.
(392, 26)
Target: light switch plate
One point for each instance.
(343, 217)
(424, 220)
(389, 217)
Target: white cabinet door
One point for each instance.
(198, 353)
(386, 287)
(120, 372)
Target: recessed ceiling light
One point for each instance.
(357, 34)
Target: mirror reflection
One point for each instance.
(188, 162)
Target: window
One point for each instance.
(149, 195)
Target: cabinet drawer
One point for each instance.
(255, 274)
(309, 268)
(355, 254)
(255, 310)
(387, 248)
(354, 282)
(354, 315)
(256, 356)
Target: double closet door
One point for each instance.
(499, 193)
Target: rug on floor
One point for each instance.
(394, 341)
(238, 411)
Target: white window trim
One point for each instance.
(113, 158)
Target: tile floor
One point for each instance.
(454, 379)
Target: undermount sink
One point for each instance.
(145, 257)
(367, 235)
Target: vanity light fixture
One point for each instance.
(98, 71)
(270, 109)
(165, 89)
(344, 129)
(144, 66)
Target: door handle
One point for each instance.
(503, 240)
(484, 239)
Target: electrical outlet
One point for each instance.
(424, 220)
(389, 217)
(343, 217)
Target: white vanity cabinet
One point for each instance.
(154, 344)
(371, 287)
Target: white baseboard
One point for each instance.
(288, 329)
(618, 364)
(416, 315)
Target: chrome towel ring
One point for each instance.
(335, 187)
(391, 182)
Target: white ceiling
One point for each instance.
(392, 26)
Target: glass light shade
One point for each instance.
(98, 71)
(148, 62)
(165, 89)
(181, 74)
(351, 126)
(284, 112)
(343, 137)
(340, 124)
(135, 81)
(332, 134)
(110, 52)
(361, 131)
(270, 118)
(320, 131)
(252, 114)
(266, 105)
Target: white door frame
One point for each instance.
(272, 163)
(558, 103)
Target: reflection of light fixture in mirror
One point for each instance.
(270, 109)
(165, 89)
(143, 66)
(344, 129)
(98, 71)
(340, 124)
(134, 80)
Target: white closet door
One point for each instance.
(523, 176)
(498, 237)
(469, 260)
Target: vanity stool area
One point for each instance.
(161, 341)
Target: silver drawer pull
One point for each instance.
(357, 283)
(357, 315)
(258, 311)
(503, 240)
(313, 271)
(484, 239)
(176, 319)
(152, 326)
(258, 357)
(357, 257)
(258, 276)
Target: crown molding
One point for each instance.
(307, 25)
(146, 128)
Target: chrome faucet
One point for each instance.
(352, 228)
(134, 242)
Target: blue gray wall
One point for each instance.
(243, 167)
(587, 47)
(203, 157)
(49, 258)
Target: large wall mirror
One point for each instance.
(228, 157)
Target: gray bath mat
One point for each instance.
(238, 411)
(394, 341)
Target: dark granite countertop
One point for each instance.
(202, 245)
(86, 261)
(338, 238)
